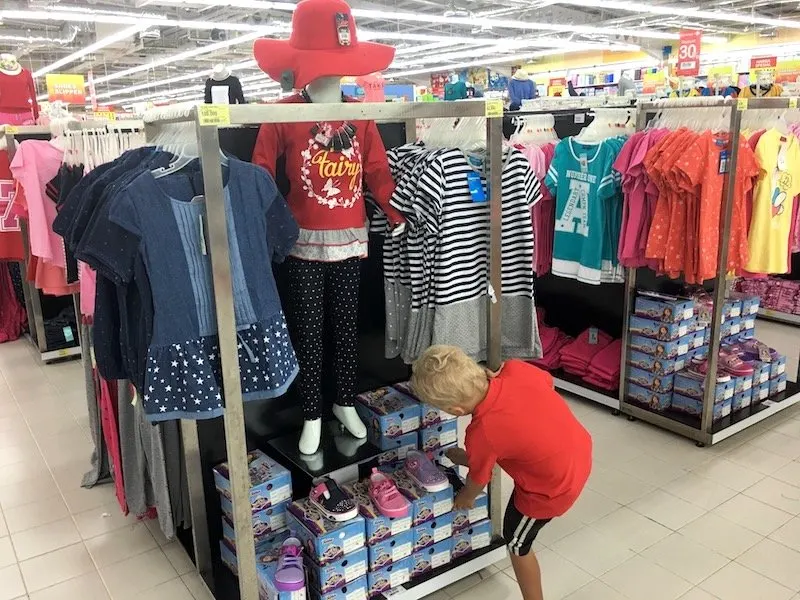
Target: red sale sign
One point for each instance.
(689, 53)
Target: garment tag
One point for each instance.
(763, 353)
(135, 398)
(476, 191)
(723, 162)
(593, 334)
(68, 335)
(580, 118)
(583, 160)
(203, 247)
(343, 29)
(782, 166)
(219, 94)
(741, 103)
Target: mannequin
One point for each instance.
(327, 164)
(626, 86)
(223, 87)
(18, 104)
(520, 87)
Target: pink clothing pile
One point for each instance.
(576, 356)
(544, 211)
(604, 368)
(782, 295)
(553, 340)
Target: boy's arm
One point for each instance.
(466, 497)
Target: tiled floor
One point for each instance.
(660, 520)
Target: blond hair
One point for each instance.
(445, 376)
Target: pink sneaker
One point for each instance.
(730, 362)
(701, 368)
(386, 497)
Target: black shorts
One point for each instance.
(520, 531)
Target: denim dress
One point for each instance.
(183, 378)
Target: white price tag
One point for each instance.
(448, 437)
(580, 118)
(683, 349)
(354, 543)
(281, 494)
(442, 506)
(354, 571)
(401, 525)
(400, 552)
(442, 532)
(481, 540)
(478, 514)
(729, 393)
(683, 330)
(359, 594)
(410, 424)
(398, 577)
(781, 369)
(440, 558)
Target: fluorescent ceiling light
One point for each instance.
(118, 36)
(714, 15)
(451, 20)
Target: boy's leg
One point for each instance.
(519, 532)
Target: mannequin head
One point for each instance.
(325, 90)
(9, 64)
(520, 75)
(220, 72)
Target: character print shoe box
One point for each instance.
(430, 415)
(425, 506)
(391, 550)
(268, 549)
(388, 412)
(432, 557)
(438, 435)
(389, 578)
(663, 308)
(473, 538)
(433, 532)
(337, 574)
(378, 526)
(270, 483)
(325, 541)
(268, 589)
(356, 590)
(266, 523)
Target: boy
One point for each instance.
(520, 423)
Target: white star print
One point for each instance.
(163, 409)
(197, 401)
(156, 370)
(199, 361)
(146, 397)
(219, 396)
(168, 388)
(174, 363)
(151, 388)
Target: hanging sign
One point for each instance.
(65, 87)
(557, 86)
(788, 71)
(651, 81)
(689, 53)
(92, 90)
(763, 65)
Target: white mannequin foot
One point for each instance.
(351, 421)
(309, 439)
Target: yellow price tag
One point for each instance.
(494, 108)
(741, 103)
(12, 129)
(793, 102)
(214, 114)
(108, 115)
(63, 353)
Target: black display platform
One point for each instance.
(792, 389)
(338, 450)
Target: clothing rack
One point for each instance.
(706, 432)
(33, 299)
(208, 121)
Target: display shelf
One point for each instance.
(575, 385)
(689, 425)
(779, 316)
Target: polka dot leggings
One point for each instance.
(317, 288)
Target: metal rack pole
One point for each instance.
(720, 288)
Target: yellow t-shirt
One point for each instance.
(774, 91)
(773, 200)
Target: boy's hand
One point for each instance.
(464, 501)
(457, 456)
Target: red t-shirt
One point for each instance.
(10, 234)
(527, 428)
(327, 184)
(18, 93)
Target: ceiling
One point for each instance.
(141, 50)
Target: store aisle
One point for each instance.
(661, 520)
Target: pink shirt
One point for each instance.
(35, 163)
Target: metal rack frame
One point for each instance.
(705, 435)
(209, 150)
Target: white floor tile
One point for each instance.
(45, 538)
(620, 487)
(174, 589)
(595, 552)
(597, 590)
(468, 582)
(774, 560)
(753, 514)
(635, 531)
(698, 490)
(7, 556)
(178, 558)
(120, 544)
(757, 459)
(698, 594)
(196, 587)
(35, 514)
(737, 582)
(642, 579)
(56, 567)
(560, 577)
(778, 443)
(103, 519)
(497, 587)
(777, 494)
(85, 587)
(789, 534)
(789, 474)
(721, 535)
(3, 526)
(686, 558)
(127, 579)
(11, 585)
(559, 528)
(652, 470)
(666, 509)
(592, 506)
(26, 492)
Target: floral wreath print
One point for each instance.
(340, 170)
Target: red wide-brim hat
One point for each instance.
(323, 43)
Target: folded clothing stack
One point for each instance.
(553, 340)
(782, 295)
(576, 356)
(604, 368)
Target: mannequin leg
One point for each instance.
(342, 283)
(306, 316)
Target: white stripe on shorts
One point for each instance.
(518, 540)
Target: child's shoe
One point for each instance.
(387, 498)
(332, 501)
(290, 575)
(424, 473)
